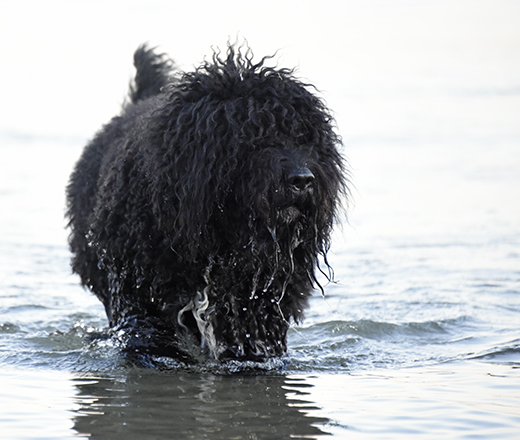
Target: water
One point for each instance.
(418, 338)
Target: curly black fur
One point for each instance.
(199, 213)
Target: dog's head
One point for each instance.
(252, 191)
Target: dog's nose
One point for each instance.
(300, 179)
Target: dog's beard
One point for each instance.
(242, 311)
(246, 331)
(290, 214)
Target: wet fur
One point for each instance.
(197, 216)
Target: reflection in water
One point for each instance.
(151, 404)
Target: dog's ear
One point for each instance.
(197, 161)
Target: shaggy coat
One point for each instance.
(197, 216)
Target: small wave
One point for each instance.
(75, 349)
(366, 344)
(375, 330)
(26, 308)
(9, 328)
(508, 352)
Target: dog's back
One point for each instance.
(153, 72)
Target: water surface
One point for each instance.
(419, 335)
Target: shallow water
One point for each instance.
(419, 335)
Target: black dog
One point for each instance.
(198, 215)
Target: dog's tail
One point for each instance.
(153, 71)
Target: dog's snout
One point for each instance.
(300, 179)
